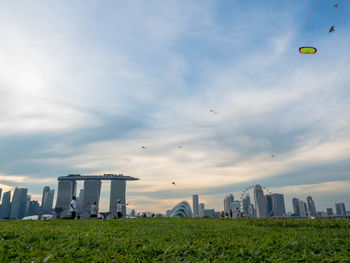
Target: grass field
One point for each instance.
(173, 240)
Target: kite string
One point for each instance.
(310, 16)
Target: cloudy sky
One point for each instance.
(85, 84)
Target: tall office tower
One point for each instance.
(227, 203)
(329, 211)
(18, 205)
(246, 204)
(0, 193)
(269, 205)
(92, 190)
(279, 209)
(117, 193)
(296, 209)
(261, 211)
(34, 208)
(45, 190)
(6, 205)
(201, 210)
(311, 206)
(47, 208)
(28, 199)
(340, 209)
(236, 209)
(195, 205)
(302, 209)
(252, 212)
(66, 190)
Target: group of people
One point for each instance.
(92, 209)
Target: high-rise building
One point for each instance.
(0, 193)
(209, 213)
(195, 205)
(302, 209)
(340, 209)
(279, 209)
(236, 209)
(201, 210)
(45, 190)
(261, 211)
(92, 190)
(252, 212)
(246, 204)
(66, 190)
(311, 206)
(6, 205)
(28, 199)
(296, 209)
(34, 208)
(227, 204)
(18, 205)
(48, 203)
(269, 205)
(117, 193)
(329, 211)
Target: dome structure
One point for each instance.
(182, 209)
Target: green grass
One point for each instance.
(173, 240)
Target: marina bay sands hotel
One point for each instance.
(67, 187)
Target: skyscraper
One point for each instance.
(28, 199)
(18, 205)
(92, 190)
(117, 193)
(45, 190)
(252, 212)
(329, 211)
(279, 209)
(340, 209)
(227, 204)
(201, 210)
(269, 205)
(66, 190)
(259, 199)
(0, 193)
(195, 206)
(311, 206)
(6, 205)
(302, 209)
(246, 204)
(47, 207)
(296, 209)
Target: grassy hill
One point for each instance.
(173, 240)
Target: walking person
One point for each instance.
(73, 207)
(94, 211)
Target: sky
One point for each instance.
(85, 84)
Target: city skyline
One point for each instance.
(213, 96)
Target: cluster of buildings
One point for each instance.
(21, 204)
(308, 208)
(264, 205)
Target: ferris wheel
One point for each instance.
(248, 191)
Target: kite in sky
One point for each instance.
(173, 183)
(331, 29)
(143, 147)
(336, 5)
(213, 111)
(180, 147)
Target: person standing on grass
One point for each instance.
(94, 211)
(119, 209)
(73, 207)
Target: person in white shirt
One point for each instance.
(94, 211)
(119, 209)
(73, 207)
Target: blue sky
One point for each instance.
(84, 85)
